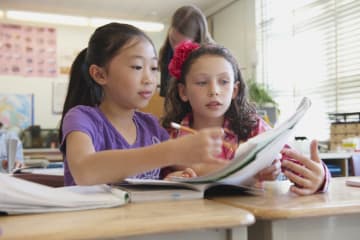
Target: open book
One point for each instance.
(19, 196)
(143, 190)
(255, 154)
(237, 177)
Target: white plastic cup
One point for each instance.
(302, 146)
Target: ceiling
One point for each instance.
(148, 10)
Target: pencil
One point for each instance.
(186, 129)
(190, 130)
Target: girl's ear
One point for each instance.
(98, 74)
(235, 90)
(182, 92)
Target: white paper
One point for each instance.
(21, 196)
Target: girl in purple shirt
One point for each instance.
(104, 139)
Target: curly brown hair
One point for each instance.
(241, 113)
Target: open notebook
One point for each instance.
(143, 190)
(20, 196)
(237, 177)
(255, 154)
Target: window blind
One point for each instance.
(310, 48)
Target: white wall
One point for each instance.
(234, 27)
(70, 40)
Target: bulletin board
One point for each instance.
(17, 110)
(27, 51)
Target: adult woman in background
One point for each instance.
(187, 23)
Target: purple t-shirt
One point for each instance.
(91, 121)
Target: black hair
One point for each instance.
(104, 44)
(241, 113)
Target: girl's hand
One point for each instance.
(186, 173)
(308, 175)
(17, 164)
(203, 146)
(270, 173)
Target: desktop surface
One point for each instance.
(278, 203)
(126, 221)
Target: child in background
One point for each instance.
(104, 139)
(187, 23)
(208, 91)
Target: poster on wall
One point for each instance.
(27, 51)
(16, 110)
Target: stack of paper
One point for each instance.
(19, 196)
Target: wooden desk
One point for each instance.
(195, 219)
(283, 215)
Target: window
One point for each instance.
(310, 48)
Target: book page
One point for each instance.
(141, 190)
(247, 152)
(155, 182)
(45, 171)
(263, 159)
(156, 192)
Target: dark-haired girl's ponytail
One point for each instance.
(82, 89)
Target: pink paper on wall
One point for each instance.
(28, 51)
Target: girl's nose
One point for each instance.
(148, 77)
(213, 90)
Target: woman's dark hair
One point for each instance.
(104, 44)
(241, 113)
(190, 22)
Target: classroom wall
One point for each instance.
(234, 27)
(70, 40)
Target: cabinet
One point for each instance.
(50, 154)
(338, 160)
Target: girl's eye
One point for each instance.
(155, 69)
(224, 81)
(136, 67)
(201, 83)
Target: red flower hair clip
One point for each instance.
(181, 53)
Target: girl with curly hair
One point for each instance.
(207, 90)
